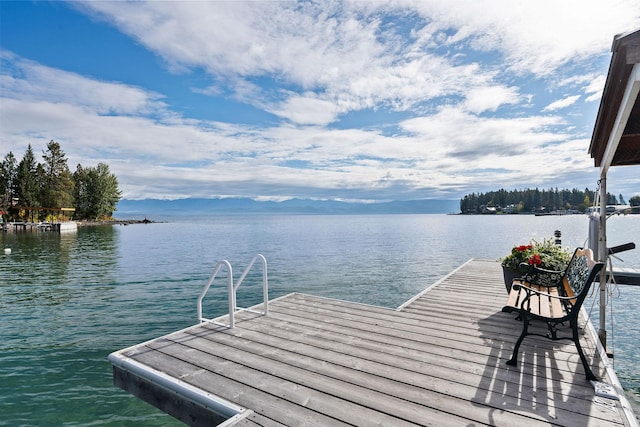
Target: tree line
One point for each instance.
(535, 200)
(31, 190)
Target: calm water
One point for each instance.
(67, 301)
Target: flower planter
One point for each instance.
(544, 255)
(509, 274)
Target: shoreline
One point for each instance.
(42, 226)
(93, 223)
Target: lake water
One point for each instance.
(68, 300)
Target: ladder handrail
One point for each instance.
(232, 303)
(231, 289)
(265, 281)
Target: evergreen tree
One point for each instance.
(8, 172)
(97, 192)
(92, 191)
(531, 200)
(58, 182)
(26, 185)
(80, 194)
(41, 179)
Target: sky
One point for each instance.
(353, 101)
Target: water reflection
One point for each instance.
(49, 279)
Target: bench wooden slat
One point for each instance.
(545, 303)
(556, 307)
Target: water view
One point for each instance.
(68, 300)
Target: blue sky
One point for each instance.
(356, 101)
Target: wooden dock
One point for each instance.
(41, 226)
(437, 360)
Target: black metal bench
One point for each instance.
(555, 303)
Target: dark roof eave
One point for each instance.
(626, 53)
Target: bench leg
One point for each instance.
(583, 359)
(525, 329)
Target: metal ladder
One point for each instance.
(233, 288)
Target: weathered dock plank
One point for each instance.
(438, 360)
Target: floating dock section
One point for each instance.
(60, 227)
(437, 360)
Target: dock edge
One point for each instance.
(611, 373)
(202, 408)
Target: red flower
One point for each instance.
(523, 248)
(535, 260)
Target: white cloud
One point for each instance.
(562, 103)
(346, 53)
(308, 109)
(32, 81)
(455, 130)
(595, 88)
(490, 98)
(535, 36)
(341, 52)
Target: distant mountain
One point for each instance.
(153, 208)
